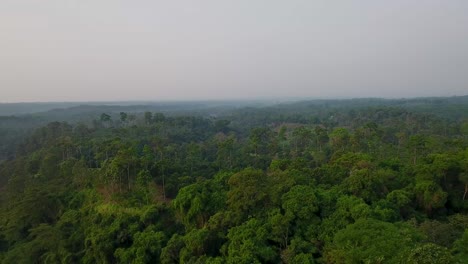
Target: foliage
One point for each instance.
(356, 181)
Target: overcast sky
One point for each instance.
(94, 50)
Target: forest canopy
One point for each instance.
(324, 181)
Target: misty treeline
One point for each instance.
(377, 184)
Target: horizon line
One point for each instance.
(284, 99)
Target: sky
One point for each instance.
(106, 50)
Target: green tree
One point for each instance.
(460, 248)
(371, 241)
(148, 118)
(430, 195)
(247, 193)
(146, 248)
(248, 243)
(123, 117)
(339, 139)
(429, 254)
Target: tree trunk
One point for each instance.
(164, 187)
(466, 191)
(128, 176)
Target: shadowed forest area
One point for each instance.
(317, 181)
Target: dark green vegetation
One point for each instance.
(355, 181)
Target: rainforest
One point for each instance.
(314, 181)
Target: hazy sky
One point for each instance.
(80, 50)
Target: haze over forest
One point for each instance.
(195, 50)
(238, 132)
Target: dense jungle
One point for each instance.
(316, 181)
